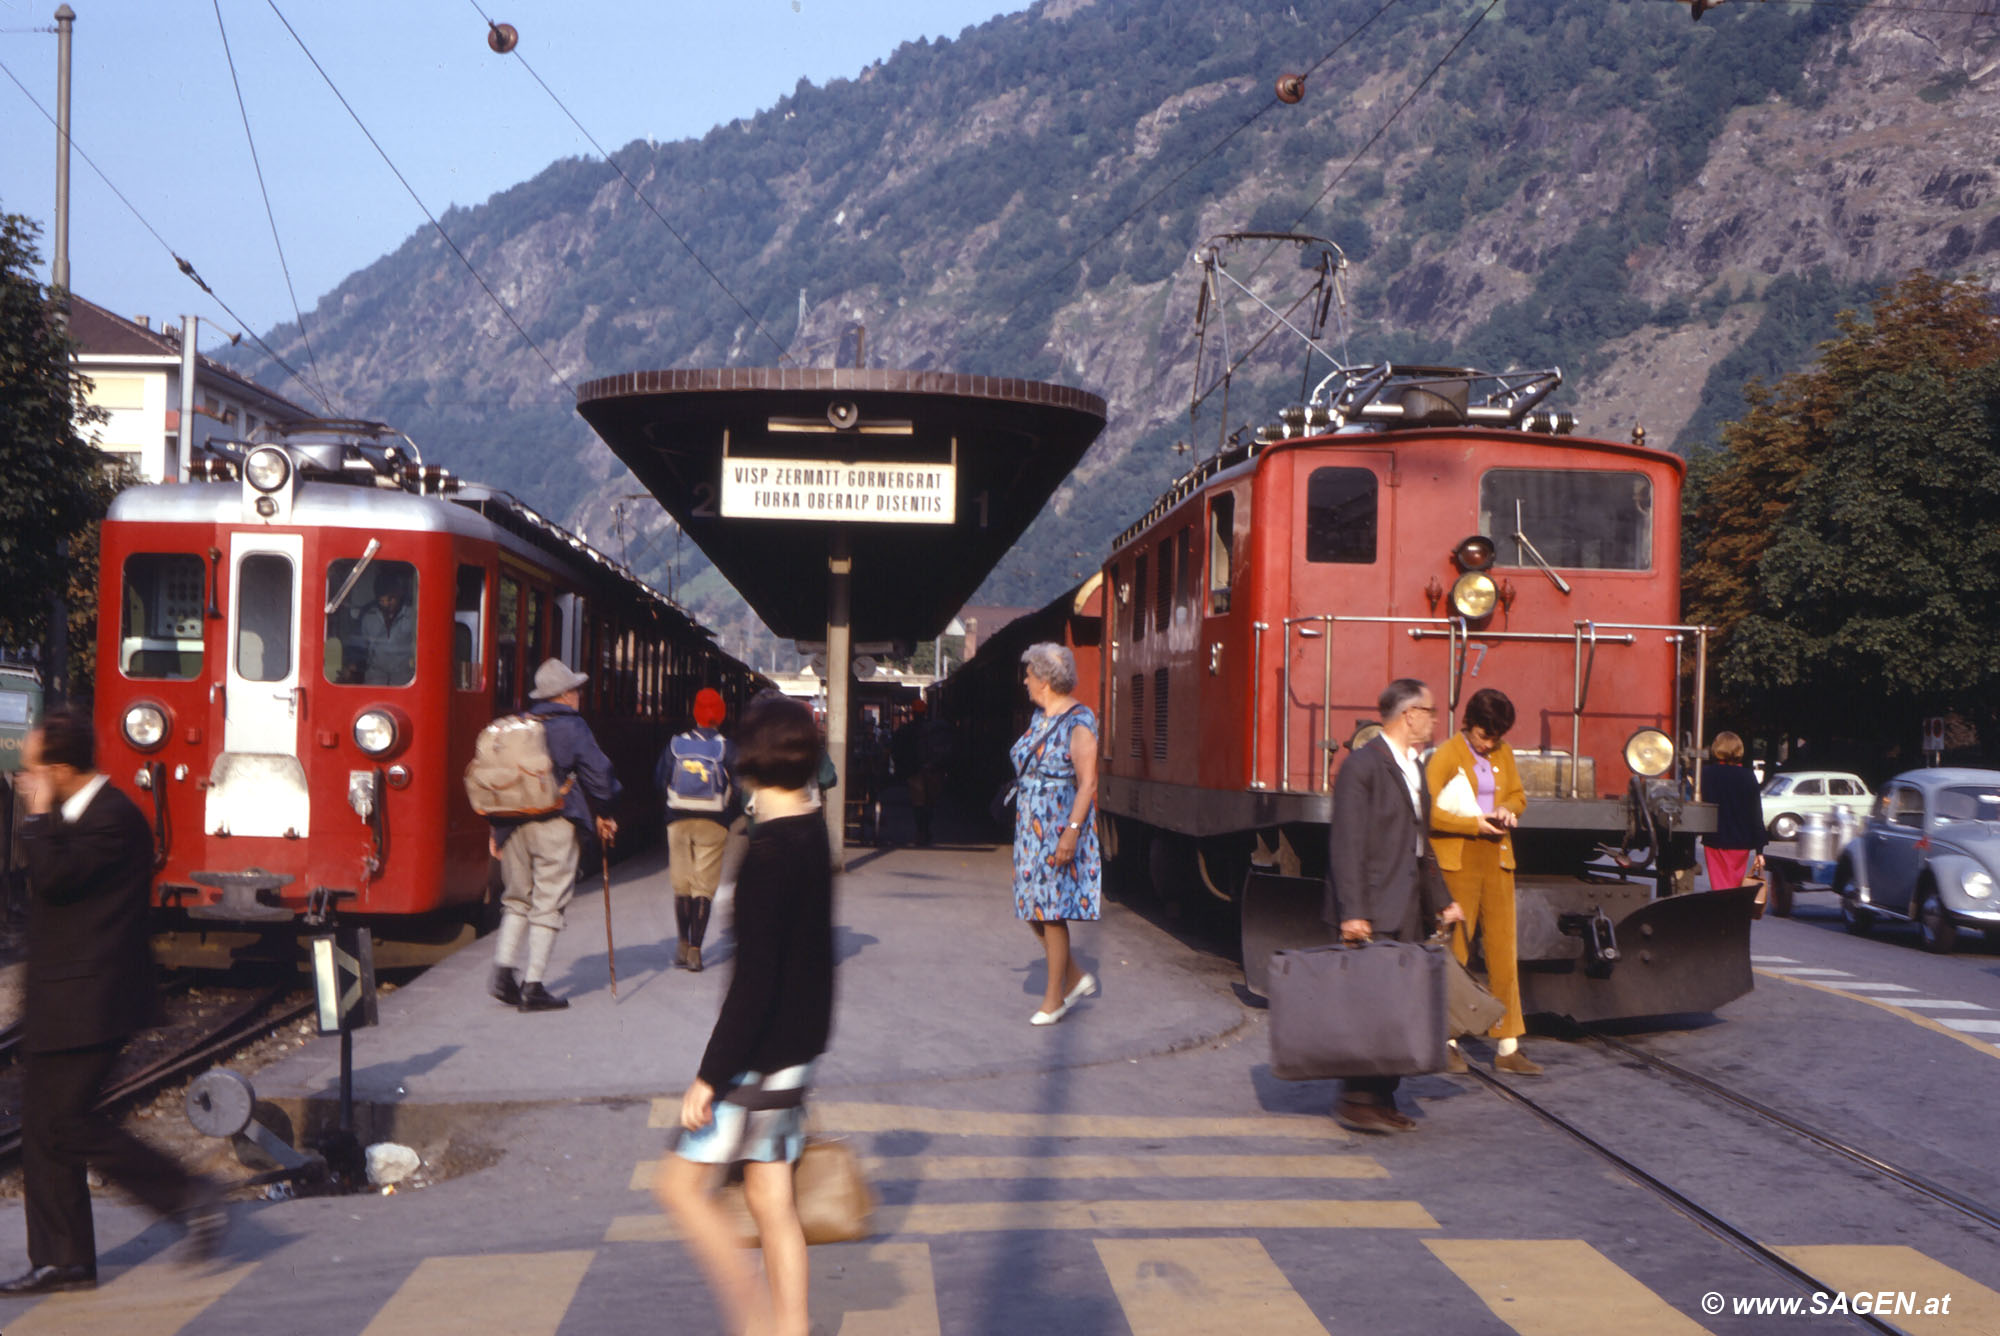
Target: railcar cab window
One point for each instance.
(264, 618)
(371, 633)
(1340, 516)
(160, 624)
(1221, 540)
(468, 630)
(1589, 520)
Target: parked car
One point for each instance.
(1930, 854)
(1788, 798)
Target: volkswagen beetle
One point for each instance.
(1930, 855)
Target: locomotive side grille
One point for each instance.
(1160, 714)
(1138, 715)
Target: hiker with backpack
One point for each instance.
(540, 840)
(696, 775)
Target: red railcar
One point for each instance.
(1427, 523)
(296, 656)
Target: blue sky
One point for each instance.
(152, 104)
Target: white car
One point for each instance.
(1788, 798)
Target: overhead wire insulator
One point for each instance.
(502, 37)
(1291, 87)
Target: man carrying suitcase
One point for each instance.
(1380, 880)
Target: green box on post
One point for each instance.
(20, 711)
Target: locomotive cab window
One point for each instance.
(264, 618)
(160, 622)
(468, 631)
(1580, 519)
(371, 632)
(1221, 554)
(1340, 516)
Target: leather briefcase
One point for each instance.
(1470, 1006)
(1372, 1010)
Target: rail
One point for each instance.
(1584, 635)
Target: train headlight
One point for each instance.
(1977, 884)
(145, 725)
(1474, 553)
(1473, 595)
(268, 468)
(1649, 752)
(375, 732)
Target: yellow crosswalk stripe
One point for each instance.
(1560, 1287)
(523, 1294)
(156, 1299)
(1179, 1287)
(954, 1168)
(844, 1117)
(1890, 1268)
(873, 1289)
(985, 1217)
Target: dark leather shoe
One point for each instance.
(1372, 1118)
(534, 997)
(1517, 1063)
(690, 957)
(1454, 1061)
(506, 985)
(50, 1279)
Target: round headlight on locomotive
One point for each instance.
(267, 468)
(375, 732)
(145, 725)
(1473, 595)
(1649, 752)
(1474, 553)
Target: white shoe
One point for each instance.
(1085, 987)
(1049, 1017)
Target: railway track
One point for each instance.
(1714, 1222)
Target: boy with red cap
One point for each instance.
(696, 775)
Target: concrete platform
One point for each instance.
(924, 991)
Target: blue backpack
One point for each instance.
(697, 780)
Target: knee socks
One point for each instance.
(507, 941)
(1506, 1046)
(698, 918)
(541, 941)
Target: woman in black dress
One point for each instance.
(747, 1104)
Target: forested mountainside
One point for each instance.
(1665, 209)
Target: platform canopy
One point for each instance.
(927, 477)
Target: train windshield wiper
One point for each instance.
(347, 586)
(1529, 548)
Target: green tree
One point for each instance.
(1846, 542)
(53, 484)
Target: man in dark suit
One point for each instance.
(1379, 881)
(90, 864)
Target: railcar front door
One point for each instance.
(258, 787)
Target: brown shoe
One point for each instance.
(690, 957)
(1454, 1061)
(1517, 1063)
(1372, 1118)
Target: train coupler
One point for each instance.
(240, 902)
(1600, 941)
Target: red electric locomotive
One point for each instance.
(296, 653)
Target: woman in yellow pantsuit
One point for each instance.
(1476, 800)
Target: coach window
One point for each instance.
(1221, 550)
(1340, 516)
(507, 644)
(536, 629)
(467, 627)
(371, 632)
(1589, 520)
(264, 618)
(160, 627)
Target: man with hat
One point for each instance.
(538, 857)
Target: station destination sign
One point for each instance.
(822, 490)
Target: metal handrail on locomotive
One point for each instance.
(1426, 522)
(297, 650)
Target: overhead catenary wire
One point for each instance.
(179, 261)
(436, 226)
(256, 162)
(637, 193)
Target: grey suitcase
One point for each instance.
(1373, 1010)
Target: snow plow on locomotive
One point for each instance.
(297, 649)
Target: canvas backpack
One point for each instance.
(511, 773)
(697, 781)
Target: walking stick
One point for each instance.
(610, 955)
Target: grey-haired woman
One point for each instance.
(1058, 873)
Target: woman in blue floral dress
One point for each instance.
(1058, 872)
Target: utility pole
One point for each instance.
(56, 688)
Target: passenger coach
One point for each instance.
(296, 653)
